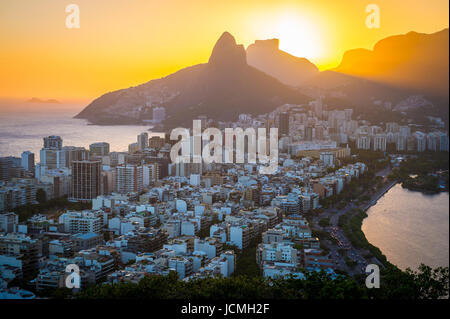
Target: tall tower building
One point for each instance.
(142, 141)
(28, 161)
(283, 124)
(150, 173)
(23, 249)
(348, 114)
(74, 153)
(53, 142)
(85, 180)
(99, 149)
(421, 141)
(318, 107)
(308, 133)
(379, 142)
(52, 156)
(405, 131)
(443, 142)
(363, 142)
(130, 179)
(320, 132)
(6, 165)
(401, 143)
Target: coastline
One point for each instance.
(374, 250)
(376, 197)
(423, 191)
(373, 202)
(407, 256)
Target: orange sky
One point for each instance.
(122, 43)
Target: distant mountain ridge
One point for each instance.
(413, 60)
(261, 78)
(266, 56)
(221, 89)
(38, 100)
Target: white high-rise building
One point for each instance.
(53, 142)
(195, 179)
(28, 161)
(99, 149)
(392, 127)
(405, 131)
(150, 173)
(130, 179)
(81, 222)
(142, 141)
(8, 222)
(401, 143)
(433, 141)
(443, 142)
(327, 158)
(379, 142)
(183, 266)
(52, 155)
(363, 142)
(421, 139)
(53, 158)
(348, 114)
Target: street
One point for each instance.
(342, 243)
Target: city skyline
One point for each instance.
(225, 152)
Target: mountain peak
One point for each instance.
(227, 53)
(226, 39)
(265, 55)
(272, 44)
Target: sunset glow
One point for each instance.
(121, 45)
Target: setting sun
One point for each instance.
(298, 37)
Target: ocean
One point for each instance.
(23, 126)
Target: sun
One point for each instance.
(298, 36)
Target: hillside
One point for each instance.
(221, 89)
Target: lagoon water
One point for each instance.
(410, 228)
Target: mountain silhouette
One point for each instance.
(413, 61)
(38, 100)
(221, 89)
(266, 56)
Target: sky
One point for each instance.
(122, 43)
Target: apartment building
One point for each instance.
(85, 180)
(21, 251)
(81, 222)
(130, 179)
(8, 222)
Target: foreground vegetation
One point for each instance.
(351, 226)
(394, 284)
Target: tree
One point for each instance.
(106, 236)
(324, 222)
(426, 283)
(41, 196)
